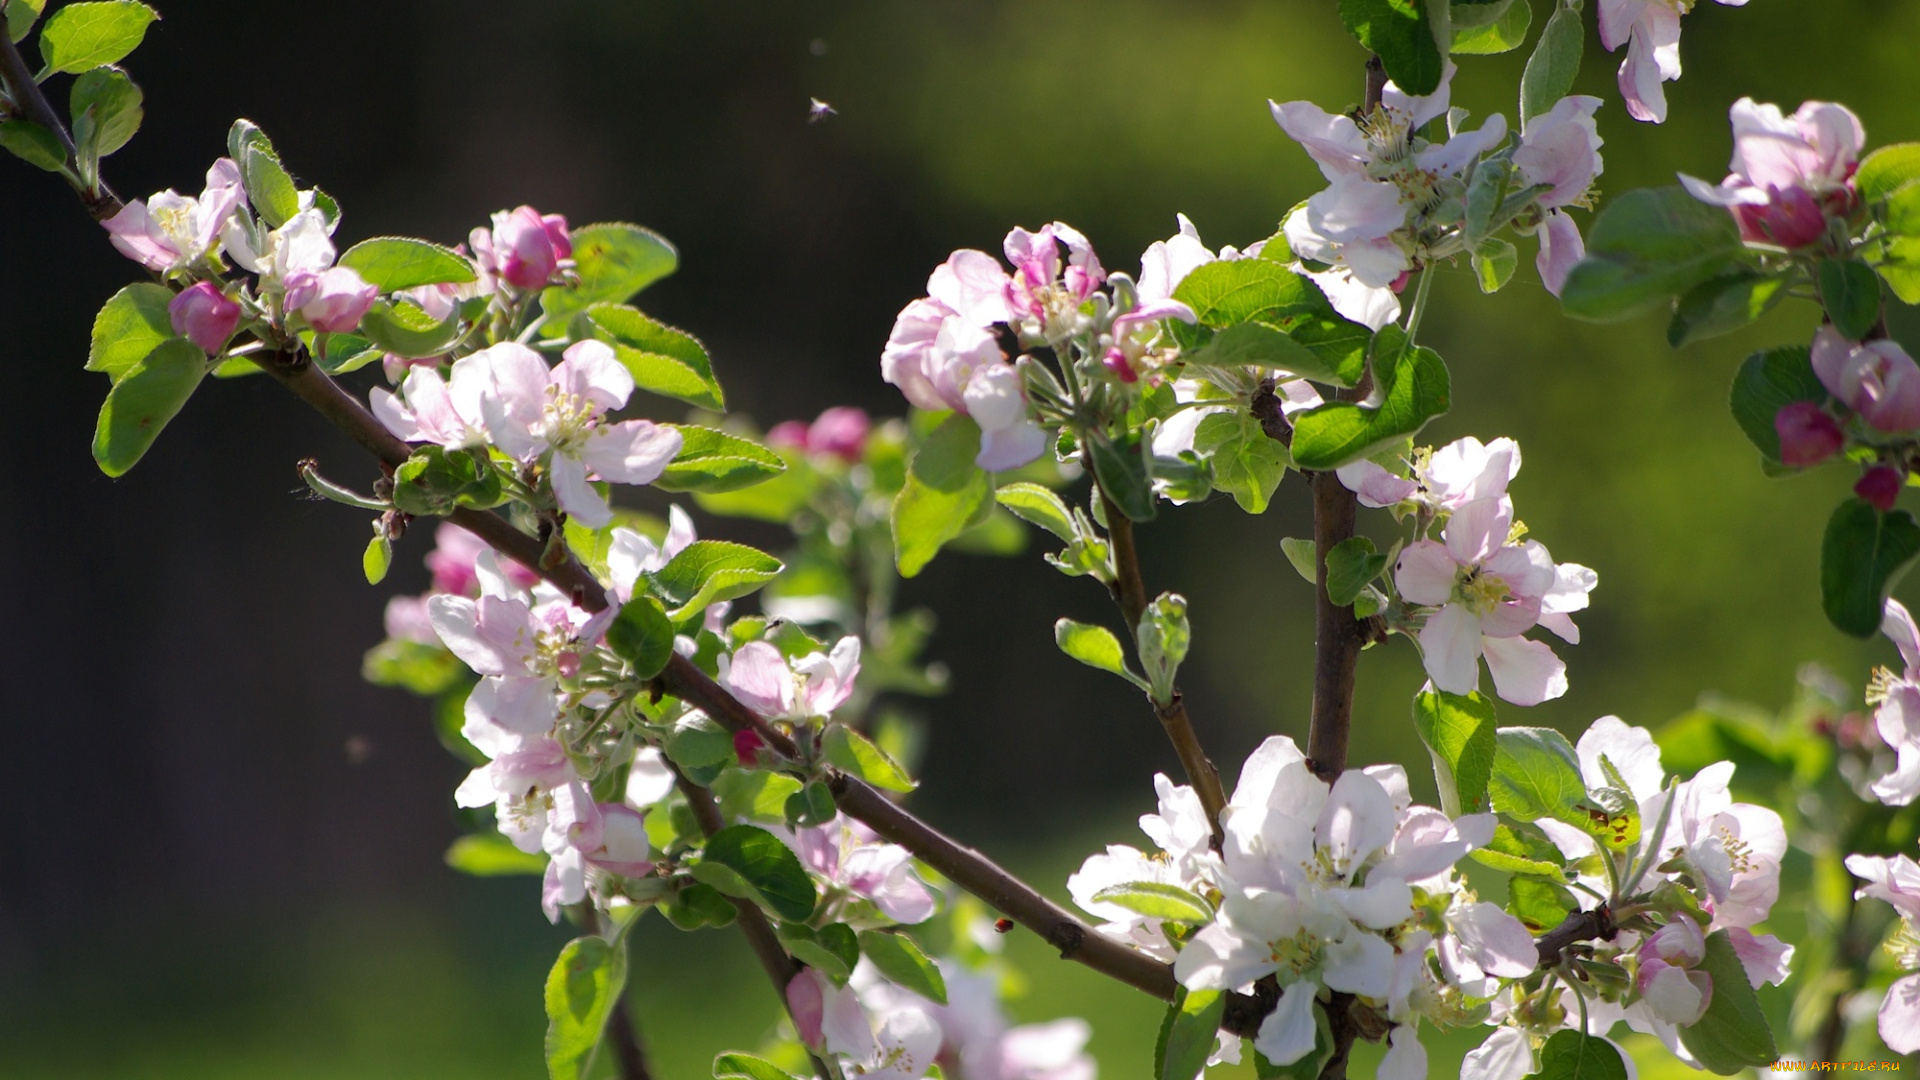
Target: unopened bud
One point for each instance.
(205, 316)
(1808, 434)
(1880, 486)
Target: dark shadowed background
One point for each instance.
(199, 879)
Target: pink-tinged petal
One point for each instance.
(1830, 353)
(1261, 771)
(1680, 942)
(590, 370)
(806, 1003)
(1675, 994)
(1836, 136)
(133, 233)
(1900, 1016)
(491, 636)
(649, 780)
(1767, 959)
(1218, 958)
(522, 705)
(1375, 486)
(1424, 845)
(1422, 109)
(759, 676)
(1333, 140)
(1405, 1058)
(1359, 964)
(631, 452)
(1506, 1055)
(1450, 644)
(1631, 750)
(1561, 248)
(1731, 192)
(1895, 880)
(1498, 942)
(1640, 79)
(1372, 306)
(1426, 573)
(1525, 672)
(1379, 905)
(395, 416)
(1357, 820)
(1453, 156)
(974, 285)
(1478, 529)
(1288, 1033)
(1900, 629)
(1011, 447)
(575, 495)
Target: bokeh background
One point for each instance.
(223, 852)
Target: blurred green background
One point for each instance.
(209, 882)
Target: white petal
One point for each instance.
(1289, 1032)
(1525, 672)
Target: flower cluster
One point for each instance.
(1897, 881)
(1791, 177)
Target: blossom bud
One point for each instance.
(332, 301)
(1116, 362)
(1880, 486)
(527, 247)
(840, 431)
(1679, 942)
(205, 316)
(806, 1002)
(788, 435)
(1808, 434)
(1793, 219)
(747, 745)
(1675, 994)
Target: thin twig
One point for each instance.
(629, 1053)
(102, 203)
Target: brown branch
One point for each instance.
(1130, 592)
(629, 1055)
(26, 94)
(1595, 925)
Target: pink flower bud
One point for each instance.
(332, 301)
(840, 431)
(747, 746)
(1793, 219)
(1880, 486)
(1116, 362)
(1808, 434)
(806, 1001)
(205, 316)
(788, 435)
(523, 246)
(558, 234)
(1679, 942)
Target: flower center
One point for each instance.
(1480, 592)
(1296, 955)
(1739, 852)
(567, 419)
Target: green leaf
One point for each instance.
(944, 491)
(143, 400)
(711, 460)
(21, 15)
(492, 855)
(415, 666)
(1413, 387)
(850, 752)
(1613, 815)
(642, 635)
(697, 905)
(1575, 1055)
(1303, 556)
(1536, 774)
(775, 500)
(339, 354)
(709, 571)
(1265, 346)
(1555, 61)
(1733, 1035)
(1505, 33)
(1645, 248)
(111, 105)
(391, 263)
(766, 864)
(435, 480)
(810, 806)
(664, 361)
(734, 1066)
(244, 135)
(697, 741)
(33, 144)
(1399, 31)
(582, 988)
(1887, 170)
(268, 186)
(755, 794)
(1190, 1033)
(1094, 646)
(402, 328)
(1723, 304)
(1494, 264)
(1540, 904)
(1121, 468)
(1231, 292)
(614, 261)
(128, 327)
(1162, 640)
(1246, 463)
(377, 558)
(901, 961)
(834, 949)
(1863, 554)
(1157, 900)
(1767, 382)
(81, 36)
(1850, 291)
(1352, 564)
(1459, 733)
(1523, 849)
(1467, 14)
(1037, 505)
(1901, 268)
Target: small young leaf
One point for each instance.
(664, 361)
(1352, 564)
(1723, 304)
(1121, 468)
(1575, 1055)
(613, 261)
(81, 36)
(851, 752)
(810, 806)
(808, 947)
(1303, 557)
(769, 866)
(112, 106)
(1157, 900)
(944, 492)
(1162, 640)
(1863, 554)
(1555, 61)
(1733, 1035)
(714, 461)
(697, 741)
(489, 854)
(427, 670)
(1523, 849)
(1243, 460)
(735, 1066)
(128, 327)
(1536, 774)
(401, 328)
(143, 400)
(33, 144)
(582, 988)
(901, 961)
(1850, 291)
(391, 263)
(1494, 264)
(1191, 1033)
(1414, 388)
(1400, 32)
(1094, 646)
(1887, 170)
(755, 794)
(709, 571)
(377, 558)
(1038, 506)
(1505, 33)
(1459, 733)
(268, 186)
(21, 15)
(642, 635)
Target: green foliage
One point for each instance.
(833, 949)
(86, 35)
(709, 571)
(1733, 1035)
(1414, 388)
(1504, 33)
(1536, 774)
(582, 988)
(852, 753)
(697, 906)
(1645, 248)
(1402, 33)
(1037, 505)
(1539, 902)
(142, 401)
(1245, 462)
(901, 961)
(944, 493)
(1575, 1055)
(714, 461)
(1162, 640)
(1157, 900)
(746, 855)
(642, 635)
(662, 360)
(1494, 263)
(1265, 293)
(1459, 733)
(1303, 557)
(21, 15)
(755, 794)
(489, 854)
(378, 557)
(699, 742)
(128, 327)
(33, 144)
(1554, 64)
(404, 329)
(1121, 467)
(391, 263)
(1887, 170)
(613, 261)
(1850, 292)
(435, 481)
(1352, 564)
(1523, 848)
(1265, 346)
(106, 111)
(1767, 382)
(414, 666)
(1723, 304)
(1863, 554)
(732, 1066)
(1096, 647)
(1188, 1034)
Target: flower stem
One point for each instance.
(1419, 304)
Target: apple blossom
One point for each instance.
(1043, 297)
(805, 687)
(1651, 31)
(1666, 981)
(303, 243)
(858, 866)
(1789, 174)
(1876, 379)
(524, 249)
(1897, 881)
(332, 301)
(205, 316)
(833, 1020)
(1881, 486)
(1185, 859)
(533, 412)
(1808, 434)
(1897, 708)
(977, 1042)
(169, 231)
(430, 409)
(519, 650)
(1560, 147)
(1458, 473)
